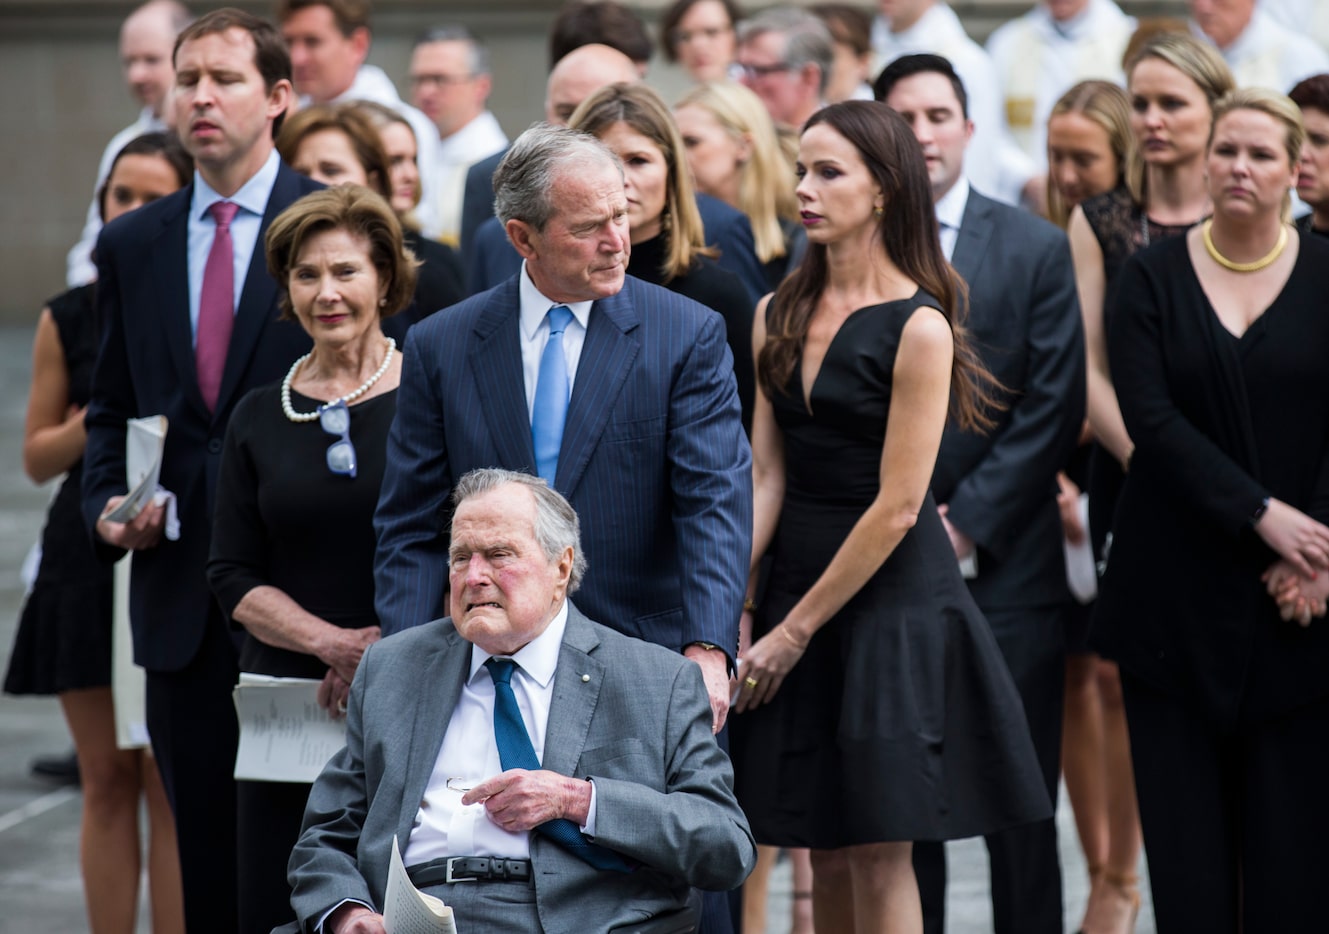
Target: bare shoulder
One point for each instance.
(927, 332)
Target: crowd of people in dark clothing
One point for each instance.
(958, 413)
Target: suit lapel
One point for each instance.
(576, 693)
(170, 272)
(258, 297)
(495, 362)
(607, 355)
(971, 242)
(439, 689)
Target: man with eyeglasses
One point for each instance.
(784, 56)
(450, 84)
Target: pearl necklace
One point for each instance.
(295, 416)
(1254, 266)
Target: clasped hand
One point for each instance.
(1299, 598)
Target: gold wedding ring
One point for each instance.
(751, 683)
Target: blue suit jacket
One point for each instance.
(654, 460)
(146, 367)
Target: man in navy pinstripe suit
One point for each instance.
(653, 455)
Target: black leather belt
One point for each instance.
(452, 869)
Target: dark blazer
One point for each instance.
(654, 460)
(1024, 320)
(477, 204)
(146, 367)
(492, 258)
(631, 716)
(1219, 423)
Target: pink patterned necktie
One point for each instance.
(216, 306)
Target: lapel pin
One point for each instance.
(585, 678)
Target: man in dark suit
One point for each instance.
(489, 257)
(998, 490)
(189, 315)
(627, 761)
(652, 451)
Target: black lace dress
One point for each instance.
(1122, 228)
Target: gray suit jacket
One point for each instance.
(639, 726)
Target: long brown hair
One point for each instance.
(909, 236)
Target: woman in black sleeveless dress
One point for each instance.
(63, 643)
(874, 707)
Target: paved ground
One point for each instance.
(39, 882)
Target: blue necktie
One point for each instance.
(516, 752)
(550, 410)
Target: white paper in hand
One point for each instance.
(1081, 571)
(407, 910)
(285, 736)
(145, 440)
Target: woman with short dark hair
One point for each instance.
(292, 559)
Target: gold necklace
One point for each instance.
(1254, 266)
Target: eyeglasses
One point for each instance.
(439, 81)
(335, 419)
(709, 33)
(752, 72)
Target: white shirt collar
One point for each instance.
(478, 139)
(535, 305)
(539, 657)
(950, 208)
(1249, 42)
(252, 196)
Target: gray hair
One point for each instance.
(556, 524)
(524, 180)
(806, 38)
(477, 58)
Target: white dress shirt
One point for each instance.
(1038, 59)
(534, 328)
(253, 201)
(477, 140)
(1267, 55)
(1003, 170)
(950, 212)
(469, 755)
(79, 266)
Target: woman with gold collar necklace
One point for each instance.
(1217, 571)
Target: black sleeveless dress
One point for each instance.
(1122, 229)
(63, 641)
(901, 721)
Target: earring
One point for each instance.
(878, 212)
(382, 303)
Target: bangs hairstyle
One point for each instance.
(644, 111)
(361, 213)
(1195, 59)
(908, 235)
(351, 122)
(674, 15)
(1284, 112)
(1107, 105)
(271, 57)
(765, 183)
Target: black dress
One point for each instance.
(284, 519)
(708, 283)
(63, 641)
(438, 284)
(1122, 229)
(901, 721)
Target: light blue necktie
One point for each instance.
(516, 752)
(550, 411)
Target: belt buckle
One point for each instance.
(448, 873)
